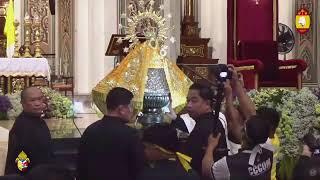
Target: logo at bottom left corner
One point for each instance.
(23, 162)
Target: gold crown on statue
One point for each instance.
(146, 22)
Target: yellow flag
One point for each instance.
(9, 29)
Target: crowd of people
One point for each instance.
(240, 144)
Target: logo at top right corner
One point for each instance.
(303, 21)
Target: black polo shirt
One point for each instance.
(109, 149)
(307, 168)
(196, 143)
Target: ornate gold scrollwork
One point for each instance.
(37, 25)
(41, 9)
(16, 45)
(18, 84)
(203, 71)
(2, 85)
(27, 40)
(65, 37)
(192, 50)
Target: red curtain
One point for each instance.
(253, 21)
(230, 14)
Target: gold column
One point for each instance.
(186, 7)
(189, 24)
(275, 18)
(27, 40)
(37, 24)
(16, 45)
(189, 8)
(9, 84)
(2, 86)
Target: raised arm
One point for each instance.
(246, 106)
(232, 114)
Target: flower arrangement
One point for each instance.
(299, 114)
(5, 105)
(316, 91)
(16, 109)
(58, 106)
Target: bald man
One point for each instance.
(29, 139)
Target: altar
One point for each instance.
(18, 73)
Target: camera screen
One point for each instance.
(223, 74)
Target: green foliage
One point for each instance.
(299, 115)
(3, 115)
(60, 106)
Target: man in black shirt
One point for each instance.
(199, 106)
(29, 139)
(308, 166)
(253, 162)
(109, 149)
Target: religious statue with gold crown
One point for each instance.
(154, 80)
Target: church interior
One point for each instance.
(76, 51)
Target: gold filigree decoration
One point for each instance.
(2, 85)
(203, 71)
(18, 84)
(132, 75)
(192, 50)
(41, 9)
(146, 22)
(65, 37)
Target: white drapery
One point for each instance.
(24, 67)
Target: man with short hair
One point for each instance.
(200, 104)
(29, 139)
(308, 166)
(109, 149)
(254, 161)
(272, 116)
